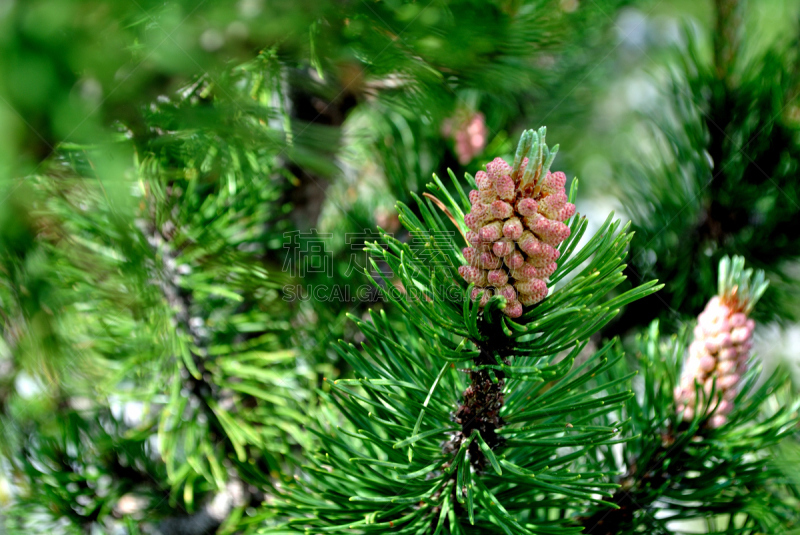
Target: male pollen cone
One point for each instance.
(515, 230)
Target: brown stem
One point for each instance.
(480, 410)
(727, 32)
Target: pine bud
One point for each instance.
(554, 182)
(507, 291)
(527, 207)
(474, 222)
(549, 231)
(503, 248)
(528, 271)
(481, 210)
(529, 244)
(513, 309)
(492, 231)
(547, 255)
(512, 228)
(533, 298)
(468, 131)
(484, 294)
(489, 196)
(473, 238)
(566, 212)
(470, 255)
(483, 181)
(505, 188)
(514, 260)
(488, 260)
(502, 210)
(552, 204)
(722, 342)
(533, 286)
(473, 274)
(497, 277)
(474, 196)
(515, 230)
(497, 168)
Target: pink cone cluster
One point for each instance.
(722, 342)
(514, 233)
(469, 136)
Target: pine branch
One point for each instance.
(180, 301)
(203, 348)
(208, 240)
(412, 445)
(707, 451)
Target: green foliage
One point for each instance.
(162, 298)
(720, 181)
(163, 165)
(79, 466)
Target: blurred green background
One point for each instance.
(156, 157)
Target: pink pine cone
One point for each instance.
(532, 299)
(552, 204)
(487, 260)
(514, 260)
(474, 222)
(481, 210)
(554, 182)
(470, 255)
(738, 320)
(473, 274)
(717, 421)
(566, 212)
(469, 136)
(473, 238)
(474, 196)
(527, 207)
(550, 231)
(535, 286)
(507, 291)
(512, 229)
(529, 271)
(529, 244)
(505, 188)
(513, 309)
(515, 232)
(497, 168)
(719, 352)
(544, 255)
(497, 277)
